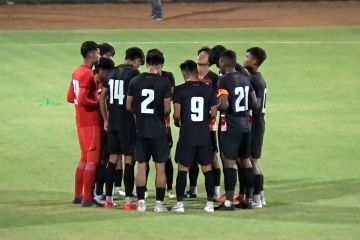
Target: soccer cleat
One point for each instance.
(222, 207)
(179, 207)
(146, 195)
(110, 205)
(87, 204)
(130, 206)
(171, 194)
(245, 205)
(190, 194)
(256, 204)
(209, 207)
(159, 207)
(152, 17)
(158, 19)
(221, 199)
(77, 200)
(141, 206)
(99, 200)
(237, 199)
(262, 198)
(119, 192)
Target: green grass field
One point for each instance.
(311, 153)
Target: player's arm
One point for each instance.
(130, 104)
(71, 94)
(167, 99)
(84, 89)
(103, 96)
(214, 105)
(254, 100)
(176, 115)
(223, 97)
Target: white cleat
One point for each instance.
(262, 198)
(99, 200)
(146, 195)
(159, 207)
(256, 205)
(179, 207)
(209, 207)
(119, 192)
(141, 206)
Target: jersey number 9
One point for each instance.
(197, 109)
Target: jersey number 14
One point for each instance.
(116, 91)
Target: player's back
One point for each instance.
(238, 88)
(149, 91)
(259, 85)
(86, 114)
(196, 99)
(117, 83)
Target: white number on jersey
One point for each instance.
(264, 101)
(241, 93)
(150, 94)
(116, 91)
(197, 109)
(76, 87)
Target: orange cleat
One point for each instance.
(110, 205)
(221, 199)
(130, 206)
(238, 199)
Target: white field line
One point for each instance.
(195, 42)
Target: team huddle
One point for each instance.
(123, 121)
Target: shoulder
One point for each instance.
(213, 75)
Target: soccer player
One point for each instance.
(101, 70)
(235, 93)
(254, 58)
(149, 99)
(207, 76)
(107, 51)
(120, 124)
(193, 101)
(83, 93)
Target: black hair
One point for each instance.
(189, 66)
(87, 47)
(209, 52)
(216, 53)
(258, 53)
(229, 58)
(154, 57)
(135, 53)
(106, 48)
(104, 63)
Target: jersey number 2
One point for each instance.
(116, 91)
(197, 109)
(150, 96)
(242, 93)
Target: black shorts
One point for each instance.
(187, 154)
(121, 143)
(156, 147)
(257, 137)
(234, 145)
(214, 143)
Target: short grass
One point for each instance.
(311, 152)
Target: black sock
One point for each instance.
(118, 175)
(193, 175)
(230, 182)
(217, 176)
(241, 176)
(129, 180)
(249, 183)
(160, 194)
(147, 175)
(257, 183)
(180, 185)
(100, 179)
(110, 169)
(140, 192)
(261, 182)
(209, 185)
(169, 171)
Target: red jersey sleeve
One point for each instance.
(71, 93)
(85, 85)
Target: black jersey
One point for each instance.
(170, 76)
(238, 88)
(259, 85)
(196, 100)
(118, 83)
(149, 91)
(241, 70)
(211, 78)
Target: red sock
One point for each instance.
(90, 174)
(79, 179)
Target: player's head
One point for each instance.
(204, 59)
(254, 57)
(217, 51)
(90, 51)
(189, 70)
(103, 67)
(155, 58)
(135, 56)
(106, 50)
(227, 60)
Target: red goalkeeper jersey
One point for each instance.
(83, 92)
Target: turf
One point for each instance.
(311, 153)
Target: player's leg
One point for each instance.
(241, 177)
(205, 156)
(100, 173)
(160, 153)
(216, 165)
(169, 168)
(118, 176)
(193, 177)
(79, 179)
